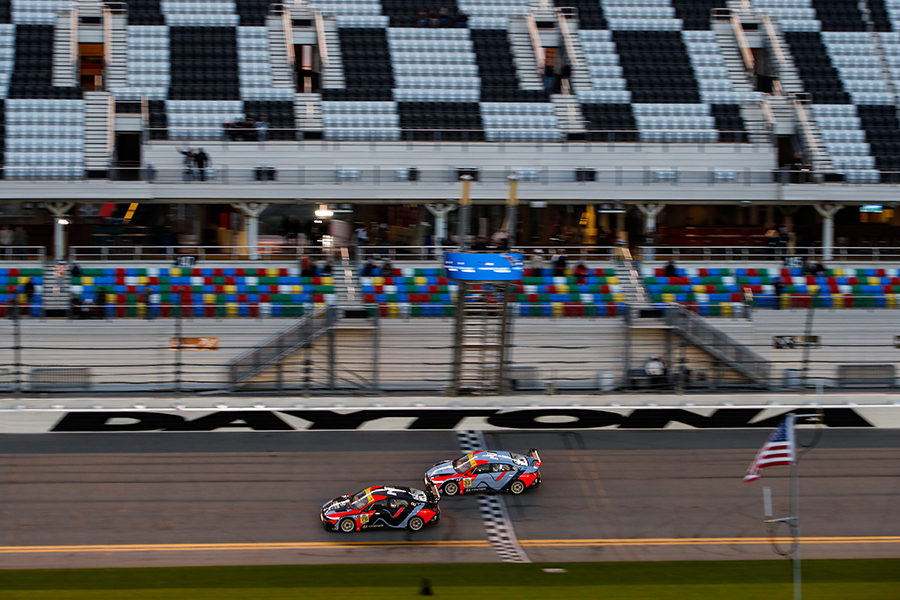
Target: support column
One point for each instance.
(650, 212)
(828, 211)
(251, 211)
(512, 205)
(59, 210)
(465, 211)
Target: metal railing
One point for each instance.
(23, 253)
(696, 330)
(264, 175)
(300, 334)
(764, 253)
(282, 252)
(356, 135)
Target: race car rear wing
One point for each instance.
(533, 453)
(432, 492)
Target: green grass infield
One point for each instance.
(856, 579)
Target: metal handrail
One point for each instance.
(276, 347)
(536, 45)
(764, 253)
(320, 35)
(288, 26)
(808, 134)
(743, 45)
(776, 44)
(696, 330)
(23, 253)
(567, 39)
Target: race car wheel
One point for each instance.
(451, 488)
(348, 526)
(516, 488)
(416, 523)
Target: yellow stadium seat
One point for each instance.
(271, 272)
(175, 272)
(143, 280)
(612, 280)
(699, 289)
(668, 297)
(874, 281)
(231, 309)
(378, 281)
(87, 281)
(557, 309)
(838, 301)
(838, 272)
(813, 290)
(621, 298)
(141, 311)
(209, 298)
(562, 289)
(393, 310)
(420, 280)
(891, 300)
(328, 280)
(725, 308)
(297, 289)
(231, 289)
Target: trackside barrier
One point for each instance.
(45, 379)
(866, 375)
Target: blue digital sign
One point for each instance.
(465, 266)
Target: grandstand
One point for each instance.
(635, 105)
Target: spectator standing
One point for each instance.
(75, 271)
(784, 237)
(327, 269)
(202, 159)
(7, 237)
(772, 241)
(100, 302)
(671, 271)
(387, 269)
(779, 289)
(189, 164)
(559, 263)
(462, 19)
(362, 238)
(537, 263)
(581, 273)
(145, 299)
(369, 269)
(20, 237)
(262, 129)
(76, 307)
(29, 293)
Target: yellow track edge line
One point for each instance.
(439, 544)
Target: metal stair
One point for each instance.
(64, 61)
(482, 334)
(99, 125)
(56, 292)
(117, 68)
(282, 70)
(523, 55)
(333, 72)
(755, 121)
(308, 112)
(631, 283)
(698, 331)
(580, 78)
(568, 113)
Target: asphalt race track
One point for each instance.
(154, 499)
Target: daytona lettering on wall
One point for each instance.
(445, 419)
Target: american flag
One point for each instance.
(778, 450)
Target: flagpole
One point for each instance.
(795, 510)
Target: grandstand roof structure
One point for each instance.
(672, 101)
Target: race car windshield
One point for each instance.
(463, 463)
(360, 500)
